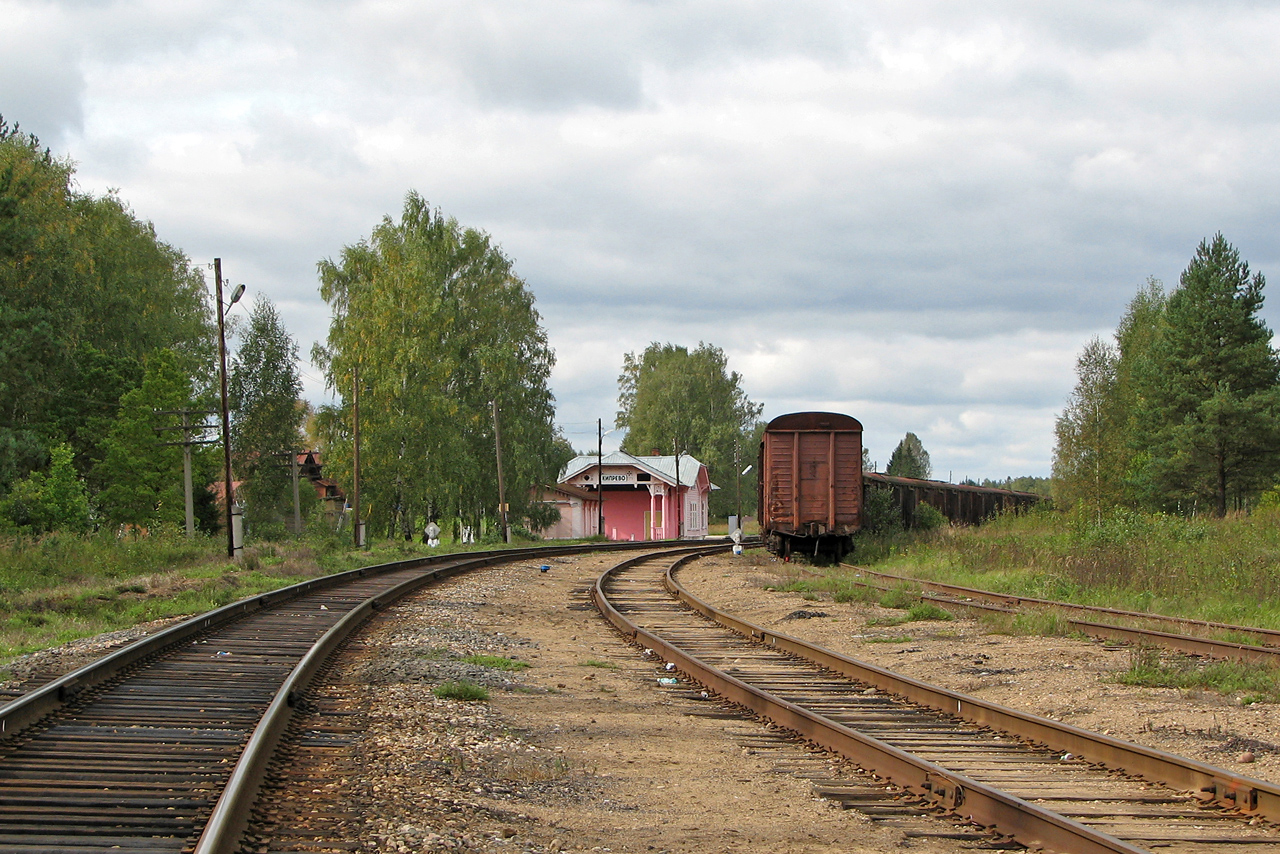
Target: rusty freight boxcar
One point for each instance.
(810, 484)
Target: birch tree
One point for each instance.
(432, 319)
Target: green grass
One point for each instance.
(922, 611)
(838, 587)
(900, 597)
(58, 588)
(1027, 624)
(496, 662)
(1224, 570)
(595, 662)
(1254, 683)
(461, 690)
(892, 639)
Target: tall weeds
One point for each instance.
(1218, 569)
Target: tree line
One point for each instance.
(1179, 413)
(108, 344)
(108, 364)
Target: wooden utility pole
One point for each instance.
(502, 490)
(355, 456)
(600, 475)
(297, 498)
(187, 443)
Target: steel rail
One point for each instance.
(40, 702)
(941, 594)
(114, 781)
(231, 814)
(1264, 635)
(1207, 782)
(1030, 824)
(947, 789)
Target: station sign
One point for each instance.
(610, 478)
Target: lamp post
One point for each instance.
(226, 418)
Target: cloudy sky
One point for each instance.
(913, 212)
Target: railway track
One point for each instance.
(1193, 637)
(162, 746)
(1041, 783)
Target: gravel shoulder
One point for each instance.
(582, 751)
(585, 751)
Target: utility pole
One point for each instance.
(355, 456)
(738, 477)
(187, 443)
(502, 492)
(291, 463)
(600, 475)
(297, 498)
(679, 497)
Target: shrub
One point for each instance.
(928, 518)
(880, 515)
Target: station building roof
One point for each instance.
(661, 467)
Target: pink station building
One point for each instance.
(640, 497)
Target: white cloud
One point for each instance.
(914, 212)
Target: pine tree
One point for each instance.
(1207, 401)
(910, 459)
(142, 478)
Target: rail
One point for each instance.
(969, 798)
(945, 595)
(92, 779)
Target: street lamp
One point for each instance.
(226, 419)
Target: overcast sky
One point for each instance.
(916, 213)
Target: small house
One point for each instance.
(640, 497)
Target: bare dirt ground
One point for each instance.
(585, 751)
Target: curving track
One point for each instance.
(161, 746)
(1017, 773)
